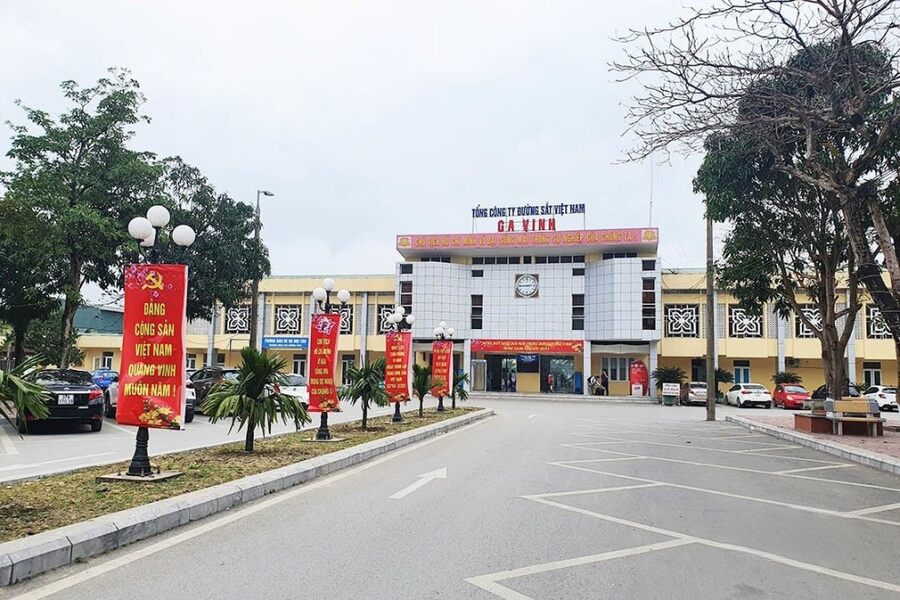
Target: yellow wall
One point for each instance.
(528, 382)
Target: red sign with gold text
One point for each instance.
(151, 377)
(397, 368)
(646, 236)
(323, 339)
(441, 367)
(528, 346)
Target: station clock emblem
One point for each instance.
(527, 286)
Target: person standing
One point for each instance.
(604, 383)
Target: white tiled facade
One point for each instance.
(613, 299)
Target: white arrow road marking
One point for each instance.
(422, 480)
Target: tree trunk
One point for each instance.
(365, 408)
(421, 404)
(453, 401)
(19, 341)
(248, 441)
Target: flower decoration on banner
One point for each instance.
(159, 416)
(237, 319)
(876, 327)
(743, 324)
(324, 326)
(287, 319)
(683, 320)
(814, 317)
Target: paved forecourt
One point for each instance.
(545, 500)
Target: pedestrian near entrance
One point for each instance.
(512, 381)
(604, 383)
(549, 382)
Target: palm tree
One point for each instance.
(19, 391)
(366, 385)
(421, 384)
(668, 375)
(254, 399)
(786, 377)
(460, 381)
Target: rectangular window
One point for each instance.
(514, 260)
(287, 319)
(299, 364)
(237, 319)
(872, 373)
(682, 320)
(553, 260)
(477, 310)
(565, 259)
(742, 371)
(526, 260)
(540, 260)
(801, 329)
(190, 361)
(478, 260)
(578, 258)
(347, 361)
(406, 287)
(577, 312)
(477, 273)
(220, 359)
(445, 259)
(578, 272)
(616, 367)
(742, 324)
(502, 260)
(648, 265)
(406, 299)
(406, 268)
(490, 260)
(648, 304)
(608, 255)
(648, 284)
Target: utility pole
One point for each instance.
(710, 322)
(254, 288)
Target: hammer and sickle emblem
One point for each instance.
(153, 281)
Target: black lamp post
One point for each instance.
(442, 332)
(399, 323)
(322, 296)
(146, 229)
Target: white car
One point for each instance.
(749, 394)
(296, 386)
(885, 396)
(693, 393)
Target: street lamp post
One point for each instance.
(399, 322)
(147, 229)
(254, 288)
(442, 332)
(322, 296)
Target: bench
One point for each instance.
(854, 411)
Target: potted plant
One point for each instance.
(668, 375)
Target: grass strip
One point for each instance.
(30, 507)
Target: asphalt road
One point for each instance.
(544, 500)
(55, 447)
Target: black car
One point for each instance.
(821, 392)
(73, 397)
(203, 380)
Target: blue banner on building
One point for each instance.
(270, 342)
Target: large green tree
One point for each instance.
(787, 246)
(77, 171)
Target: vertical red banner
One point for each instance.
(397, 376)
(441, 367)
(151, 377)
(323, 339)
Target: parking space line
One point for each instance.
(612, 442)
(6, 442)
(803, 470)
(119, 428)
(490, 582)
(876, 509)
(51, 462)
(594, 491)
(772, 446)
(766, 449)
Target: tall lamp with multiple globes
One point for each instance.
(147, 229)
(442, 332)
(322, 296)
(399, 322)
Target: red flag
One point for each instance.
(151, 384)
(323, 339)
(397, 369)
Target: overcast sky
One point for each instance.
(369, 119)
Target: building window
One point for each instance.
(526, 260)
(553, 260)
(648, 265)
(540, 260)
(682, 320)
(565, 259)
(220, 359)
(104, 361)
(406, 287)
(299, 364)
(742, 324)
(490, 260)
(577, 312)
(477, 272)
(616, 367)
(876, 328)
(406, 268)
(515, 260)
(385, 311)
(347, 361)
(812, 314)
(648, 304)
(478, 260)
(190, 361)
(477, 311)
(346, 312)
(406, 295)
(578, 272)
(872, 373)
(742, 371)
(287, 319)
(237, 319)
(578, 258)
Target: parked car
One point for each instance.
(296, 387)
(821, 392)
(790, 395)
(693, 392)
(103, 377)
(749, 394)
(885, 396)
(73, 397)
(111, 400)
(203, 380)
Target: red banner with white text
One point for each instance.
(441, 367)
(151, 376)
(397, 375)
(323, 339)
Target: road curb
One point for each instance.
(26, 557)
(881, 462)
(606, 400)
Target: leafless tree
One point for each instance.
(814, 83)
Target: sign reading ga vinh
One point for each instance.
(151, 377)
(398, 367)
(323, 338)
